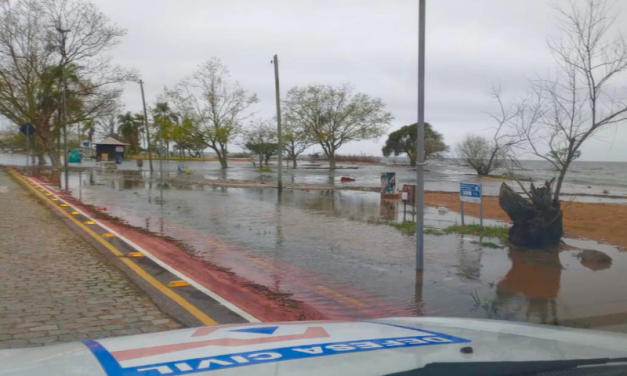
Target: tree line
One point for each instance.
(559, 112)
(55, 50)
(555, 116)
(40, 67)
(217, 109)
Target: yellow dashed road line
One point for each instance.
(341, 297)
(200, 315)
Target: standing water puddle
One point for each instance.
(332, 250)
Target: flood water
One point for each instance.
(332, 250)
(585, 182)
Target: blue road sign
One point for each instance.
(27, 129)
(469, 192)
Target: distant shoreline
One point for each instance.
(581, 219)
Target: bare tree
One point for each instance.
(563, 111)
(36, 59)
(579, 100)
(334, 115)
(106, 126)
(483, 154)
(215, 106)
(480, 153)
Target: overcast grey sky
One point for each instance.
(371, 43)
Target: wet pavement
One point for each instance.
(55, 287)
(333, 250)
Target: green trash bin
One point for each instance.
(75, 156)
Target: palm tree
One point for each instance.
(142, 126)
(89, 127)
(49, 99)
(166, 120)
(129, 129)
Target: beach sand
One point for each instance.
(601, 222)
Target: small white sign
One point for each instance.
(119, 149)
(404, 196)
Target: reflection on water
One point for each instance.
(322, 247)
(536, 276)
(587, 181)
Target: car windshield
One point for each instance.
(449, 175)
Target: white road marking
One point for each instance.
(181, 275)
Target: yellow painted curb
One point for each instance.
(193, 310)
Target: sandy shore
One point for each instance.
(600, 222)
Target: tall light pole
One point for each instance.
(278, 119)
(63, 72)
(141, 84)
(420, 142)
(161, 152)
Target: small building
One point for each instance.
(110, 150)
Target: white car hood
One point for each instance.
(376, 347)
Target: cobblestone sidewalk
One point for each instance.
(55, 287)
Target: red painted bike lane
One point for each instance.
(253, 282)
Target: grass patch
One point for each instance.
(490, 306)
(487, 244)
(377, 221)
(405, 226)
(433, 231)
(265, 169)
(476, 230)
(485, 231)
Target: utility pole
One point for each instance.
(63, 72)
(161, 153)
(28, 149)
(420, 155)
(141, 84)
(278, 120)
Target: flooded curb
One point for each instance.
(262, 302)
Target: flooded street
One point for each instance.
(587, 182)
(333, 250)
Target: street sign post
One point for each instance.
(388, 186)
(408, 195)
(470, 192)
(28, 129)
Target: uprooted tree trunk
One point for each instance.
(537, 221)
